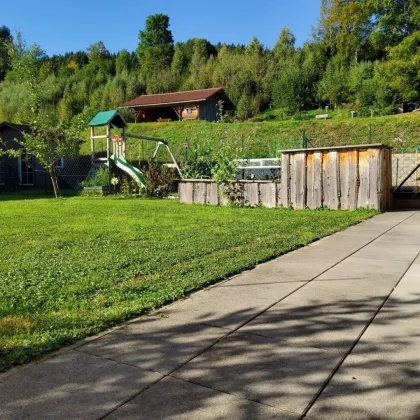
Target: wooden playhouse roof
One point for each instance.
(103, 118)
(173, 98)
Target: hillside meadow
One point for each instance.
(259, 139)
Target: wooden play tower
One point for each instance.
(114, 145)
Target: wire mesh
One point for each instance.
(404, 160)
(74, 171)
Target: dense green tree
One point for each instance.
(6, 40)
(364, 53)
(156, 46)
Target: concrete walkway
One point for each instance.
(330, 331)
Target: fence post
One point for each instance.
(304, 140)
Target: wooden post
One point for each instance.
(92, 144)
(108, 142)
(178, 110)
(124, 145)
(285, 180)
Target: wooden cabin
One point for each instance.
(26, 172)
(179, 106)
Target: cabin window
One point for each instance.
(26, 169)
(2, 171)
(189, 111)
(60, 163)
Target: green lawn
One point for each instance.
(72, 267)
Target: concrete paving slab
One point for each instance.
(155, 343)
(411, 280)
(399, 237)
(356, 268)
(175, 399)
(362, 389)
(262, 369)
(359, 288)
(391, 340)
(283, 270)
(403, 303)
(316, 318)
(70, 386)
(229, 306)
(387, 251)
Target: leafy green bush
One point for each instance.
(198, 168)
(100, 178)
(160, 180)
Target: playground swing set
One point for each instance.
(116, 146)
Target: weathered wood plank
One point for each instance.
(186, 192)
(200, 192)
(353, 180)
(374, 178)
(212, 196)
(314, 180)
(250, 194)
(387, 179)
(285, 180)
(278, 193)
(348, 179)
(325, 180)
(268, 194)
(298, 180)
(334, 180)
(364, 189)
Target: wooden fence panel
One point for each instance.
(364, 189)
(285, 180)
(348, 179)
(278, 194)
(200, 192)
(268, 194)
(212, 196)
(314, 180)
(251, 194)
(298, 180)
(342, 177)
(374, 181)
(186, 192)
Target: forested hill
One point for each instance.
(364, 54)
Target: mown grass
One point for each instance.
(72, 267)
(267, 138)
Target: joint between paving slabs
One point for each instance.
(335, 370)
(230, 332)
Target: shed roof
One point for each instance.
(173, 98)
(18, 127)
(112, 117)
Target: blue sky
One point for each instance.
(72, 25)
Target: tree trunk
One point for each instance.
(54, 181)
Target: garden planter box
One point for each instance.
(98, 190)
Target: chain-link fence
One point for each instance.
(404, 161)
(74, 171)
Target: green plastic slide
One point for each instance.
(135, 173)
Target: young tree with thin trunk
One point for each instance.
(47, 140)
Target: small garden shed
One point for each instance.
(177, 106)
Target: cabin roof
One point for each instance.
(108, 117)
(173, 98)
(19, 127)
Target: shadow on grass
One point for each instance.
(34, 194)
